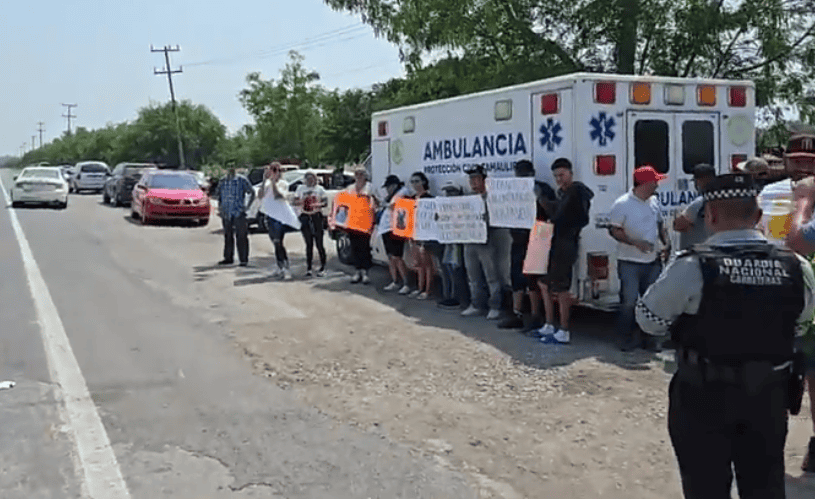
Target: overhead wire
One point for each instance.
(355, 30)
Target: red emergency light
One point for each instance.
(383, 128)
(735, 159)
(605, 164)
(737, 96)
(597, 266)
(550, 104)
(605, 92)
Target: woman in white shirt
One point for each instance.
(280, 217)
(310, 198)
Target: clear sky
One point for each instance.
(96, 54)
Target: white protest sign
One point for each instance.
(425, 227)
(511, 202)
(461, 219)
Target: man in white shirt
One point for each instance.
(637, 225)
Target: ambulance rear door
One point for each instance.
(673, 143)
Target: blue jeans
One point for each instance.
(277, 230)
(635, 278)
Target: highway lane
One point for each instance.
(184, 414)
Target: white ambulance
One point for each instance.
(607, 125)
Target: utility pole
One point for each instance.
(69, 116)
(169, 72)
(40, 129)
(33, 142)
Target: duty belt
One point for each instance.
(752, 375)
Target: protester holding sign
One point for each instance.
(483, 261)
(453, 277)
(361, 240)
(520, 241)
(423, 249)
(394, 245)
(310, 198)
(280, 217)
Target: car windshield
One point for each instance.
(40, 173)
(94, 168)
(133, 171)
(173, 182)
(292, 176)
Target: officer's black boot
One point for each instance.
(809, 459)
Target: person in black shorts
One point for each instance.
(569, 213)
(394, 245)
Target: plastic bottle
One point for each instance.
(776, 201)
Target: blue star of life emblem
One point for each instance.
(602, 128)
(550, 134)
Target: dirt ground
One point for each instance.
(522, 419)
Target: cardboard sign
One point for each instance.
(427, 229)
(461, 219)
(537, 252)
(511, 202)
(403, 217)
(353, 212)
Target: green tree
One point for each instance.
(769, 41)
(346, 130)
(287, 112)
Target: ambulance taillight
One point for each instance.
(605, 164)
(735, 159)
(597, 266)
(737, 96)
(605, 92)
(550, 104)
(382, 127)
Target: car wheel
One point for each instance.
(344, 252)
(105, 197)
(133, 214)
(63, 204)
(203, 222)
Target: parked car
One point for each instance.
(67, 170)
(119, 186)
(40, 184)
(294, 178)
(201, 178)
(90, 176)
(168, 194)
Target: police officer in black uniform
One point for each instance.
(733, 306)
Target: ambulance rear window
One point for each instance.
(651, 146)
(697, 144)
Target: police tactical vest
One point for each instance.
(751, 300)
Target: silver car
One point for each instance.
(40, 184)
(89, 176)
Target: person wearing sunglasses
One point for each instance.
(280, 217)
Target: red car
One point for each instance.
(169, 195)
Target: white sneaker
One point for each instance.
(357, 277)
(562, 336)
(391, 287)
(405, 290)
(493, 315)
(547, 330)
(277, 272)
(414, 293)
(471, 310)
(286, 275)
(365, 278)
(423, 296)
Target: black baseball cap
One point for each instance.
(475, 170)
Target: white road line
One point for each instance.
(100, 470)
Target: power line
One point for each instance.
(169, 72)
(305, 44)
(69, 116)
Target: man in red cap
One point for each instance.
(637, 225)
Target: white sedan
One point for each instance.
(40, 184)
